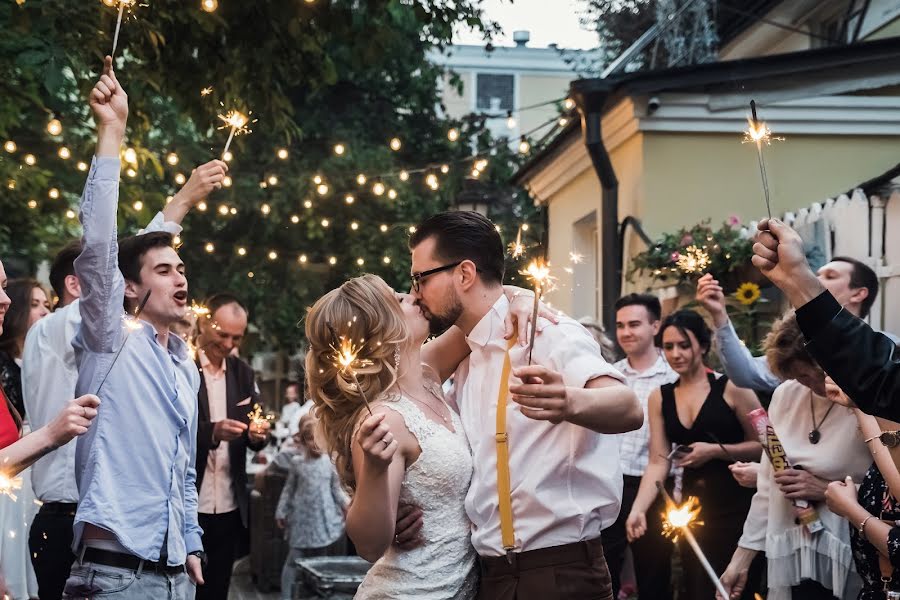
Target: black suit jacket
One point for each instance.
(240, 384)
(864, 363)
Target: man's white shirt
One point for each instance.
(565, 480)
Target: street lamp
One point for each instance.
(475, 196)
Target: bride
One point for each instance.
(411, 449)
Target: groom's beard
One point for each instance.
(439, 323)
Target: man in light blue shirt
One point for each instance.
(136, 533)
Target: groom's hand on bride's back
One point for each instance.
(408, 530)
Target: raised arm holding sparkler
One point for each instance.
(758, 133)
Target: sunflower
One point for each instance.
(747, 293)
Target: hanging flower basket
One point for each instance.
(683, 256)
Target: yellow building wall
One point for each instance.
(572, 203)
(458, 104)
(690, 177)
(535, 90)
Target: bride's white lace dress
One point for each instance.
(444, 567)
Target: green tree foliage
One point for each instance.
(314, 75)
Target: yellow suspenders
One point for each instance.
(507, 530)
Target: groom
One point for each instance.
(565, 482)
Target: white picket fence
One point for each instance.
(864, 226)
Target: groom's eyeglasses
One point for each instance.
(418, 277)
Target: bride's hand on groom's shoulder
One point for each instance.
(521, 309)
(377, 442)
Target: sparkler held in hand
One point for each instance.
(759, 133)
(124, 5)
(346, 359)
(539, 273)
(677, 522)
(237, 122)
(131, 324)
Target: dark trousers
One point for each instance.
(572, 572)
(811, 590)
(652, 552)
(221, 534)
(50, 544)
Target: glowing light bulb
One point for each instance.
(361, 179)
(138, 205)
(227, 181)
(524, 226)
(209, 247)
(32, 204)
(272, 180)
(386, 260)
(510, 120)
(233, 210)
(82, 166)
(349, 199)
(569, 104)
(273, 255)
(404, 176)
(180, 178)
(383, 228)
(563, 121)
(325, 222)
(172, 158)
(131, 172)
(322, 189)
(332, 260)
(30, 159)
(360, 261)
(242, 251)
(339, 149)
(130, 156)
(228, 156)
(392, 194)
(396, 144)
(445, 169)
(453, 134)
(295, 219)
(223, 210)
(282, 153)
(481, 164)
(354, 225)
(70, 213)
(524, 146)
(10, 146)
(302, 259)
(64, 153)
(53, 193)
(317, 179)
(412, 228)
(250, 274)
(201, 206)
(378, 188)
(209, 5)
(265, 209)
(307, 204)
(54, 127)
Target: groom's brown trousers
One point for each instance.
(572, 572)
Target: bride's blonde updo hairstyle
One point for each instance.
(365, 311)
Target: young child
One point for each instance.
(312, 506)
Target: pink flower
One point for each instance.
(687, 240)
(734, 221)
(676, 256)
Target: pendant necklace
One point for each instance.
(815, 435)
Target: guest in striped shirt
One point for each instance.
(645, 369)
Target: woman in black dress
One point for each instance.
(701, 421)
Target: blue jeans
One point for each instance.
(92, 580)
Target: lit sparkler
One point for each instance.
(237, 122)
(576, 258)
(206, 91)
(758, 133)
(678, 521)
(693, 260)
(124, 5)
(539, 272)
(347, 360)
(516, 248)
(258, 418)
(9, 485)
(131, 324)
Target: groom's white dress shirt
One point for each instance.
(565, 480)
